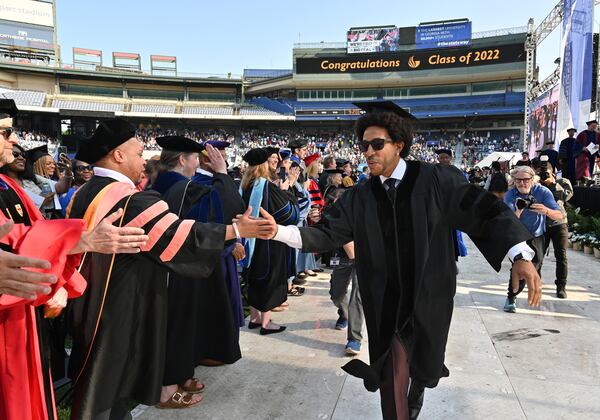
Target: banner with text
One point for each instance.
(443, 35)
(574, 102)
(26, 36)
(27, 11)
(411, 60)
(364, 40)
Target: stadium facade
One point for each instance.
(479, 86)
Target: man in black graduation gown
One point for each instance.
(119, 325)
(401, 222)
(568, 151)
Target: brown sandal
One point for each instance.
(193, 388)
(179, 400)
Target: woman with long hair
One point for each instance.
(266, 267)
(305, 261)
(38, 188)
(55, 179)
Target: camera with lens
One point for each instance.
(525, 202)
(544, 174)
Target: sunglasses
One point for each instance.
(82, 168)
(376, 144)
(18, 155)
(6, 132)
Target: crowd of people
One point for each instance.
(178, 246)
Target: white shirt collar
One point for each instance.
(398, 173)
(109, 173)
(203, 172)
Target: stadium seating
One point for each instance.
(87, 106)
(254, 110)
(153, 108)
(24, 97)
(207, 110)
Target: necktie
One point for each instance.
(391, 189)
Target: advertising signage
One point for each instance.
(363, 40)
(411, 60)
(27, 11)
(443, 35)
(26, 36)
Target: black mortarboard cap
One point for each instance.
(272, 150)
(179, 144)
(297, 143)
(571, 129)
(442, 151)
(36, 153)
(8, 108)
(334, 171)
(341, 162)
(591, 122)
(256, 156)
(108, 135)
(384, 106)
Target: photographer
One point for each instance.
(557, 230)
(532, 204)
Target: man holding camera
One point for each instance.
(557, 231)
(532, 204)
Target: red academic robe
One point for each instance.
(22, 393)
(583, 159)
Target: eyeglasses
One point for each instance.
(376, 144)
(18, 155)
(6, 132)
(522, 180)
(82, 168)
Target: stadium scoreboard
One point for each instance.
(430, 59)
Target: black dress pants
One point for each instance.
(559, 236)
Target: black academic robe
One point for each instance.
(119, 325)
(271, 263)
(422, 274)
(200, 322)
(222, 304)
(567, 153)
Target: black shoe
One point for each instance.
(265, 331)
(253, 325)
(299, 280)
(561, 293)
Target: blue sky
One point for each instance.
(228, 36)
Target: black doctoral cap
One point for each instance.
(179, 144)
(273, 151)
(384, 106)
(442, 151)
(297, 143)
(571, 129)
(256, 156)
(592, 122)
(109, 134)
(334, 171)
(37, 152)
(8, 108)
(339, 162)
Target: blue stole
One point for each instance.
(256, 199)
